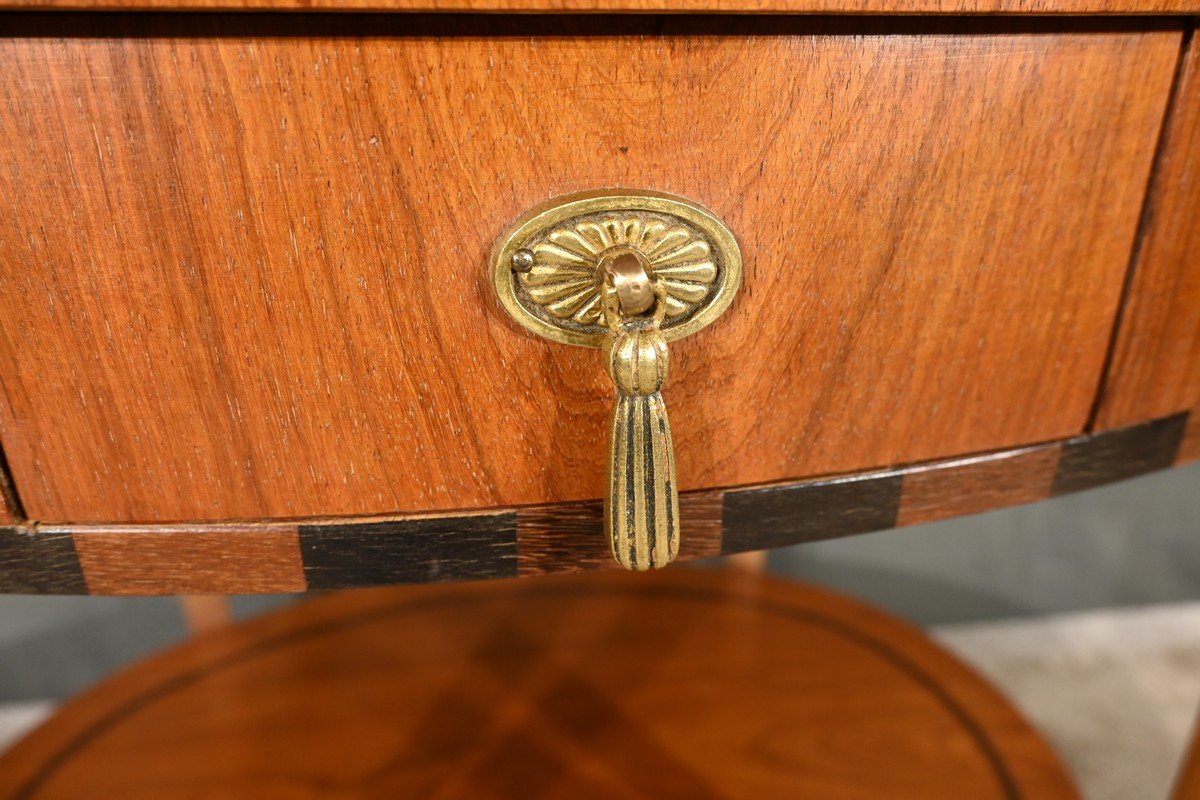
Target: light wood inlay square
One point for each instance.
(180, 561)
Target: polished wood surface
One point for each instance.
(10, 506)
(679, 685)
(249, 256)
(1006, 7)
(319, 554)
(1156, 362)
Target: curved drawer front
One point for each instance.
(247, 273)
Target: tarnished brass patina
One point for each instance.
(627, 272)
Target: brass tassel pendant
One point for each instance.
(641, 513)
(625, 271)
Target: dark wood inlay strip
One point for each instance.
(39, 563)
(10, 501)
(420, 550)
(1155, 362)
(701, 517)
(775, 516)
(245, 559)
(1097, 459)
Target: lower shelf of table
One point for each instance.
(681, 684)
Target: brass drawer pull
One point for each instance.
(626, 272)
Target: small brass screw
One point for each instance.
(522, 260)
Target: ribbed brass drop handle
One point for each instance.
(641, 499)
(627, 272)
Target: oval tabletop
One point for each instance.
(683, 684)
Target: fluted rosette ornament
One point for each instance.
(563, 276)
(626, 272)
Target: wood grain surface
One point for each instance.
(684, 684)
(1007, 7)
(1090, 461)
(1189, 447)
(40, 562)
(777, 515)
(206, 612)
(1156, 363)
(249, 254)
(410, 551)
(290, 556)
(954, 489)
(550, 538)
(217, 560)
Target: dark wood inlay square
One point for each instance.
(410, 551)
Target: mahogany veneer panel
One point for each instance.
(683, 685)
(248, 259)
(1156, 363)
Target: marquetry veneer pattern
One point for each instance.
(580, 688)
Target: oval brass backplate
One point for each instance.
(545, 267)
